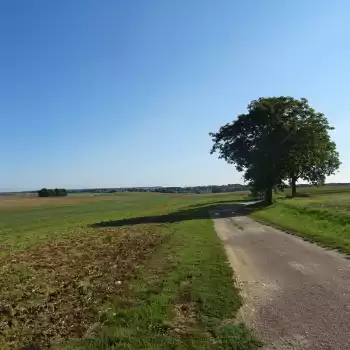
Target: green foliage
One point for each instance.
(43, 192)
(216, 189)
(57, 192)
(235, 337)
(311, 155)
(278, 139)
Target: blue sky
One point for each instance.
(124, 93)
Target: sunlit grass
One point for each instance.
(108, 274)
(323, 218)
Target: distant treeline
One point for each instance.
(194, 189)
(188, 189)
(203, 189)
(48, 192)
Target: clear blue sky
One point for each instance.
(124, 93)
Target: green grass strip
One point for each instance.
(183, 299)
(329, 228)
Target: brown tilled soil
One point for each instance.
(54, 292)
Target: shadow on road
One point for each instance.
(228, 202)
(190, 213)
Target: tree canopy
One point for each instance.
(57, 192)
(279, 139)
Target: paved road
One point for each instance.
(296, 294)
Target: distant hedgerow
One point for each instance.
(57, 192)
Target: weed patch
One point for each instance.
(53, 292)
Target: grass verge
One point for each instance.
(184, 298)
(310, 220)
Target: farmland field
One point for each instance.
(125, 271)
(323, 216)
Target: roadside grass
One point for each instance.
(184, 298)
(324, 219)
(141, 284)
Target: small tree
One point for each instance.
(52, 193)
(43, 192)
(216, 189)
(63, 192)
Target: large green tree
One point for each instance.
(278, 139)
(309, 152)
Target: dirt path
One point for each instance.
(296, 294)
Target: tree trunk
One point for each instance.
(268, 195)
(294, 186)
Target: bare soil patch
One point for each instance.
(55, 291)
(185, 317)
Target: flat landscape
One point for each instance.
(147, 270)
(123, 271)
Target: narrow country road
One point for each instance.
(296, 294)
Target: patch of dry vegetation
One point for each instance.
(54, 291)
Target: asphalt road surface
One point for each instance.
(296, 294)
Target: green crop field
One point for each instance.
(128, 271)
(313, 190)
(322, 216)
